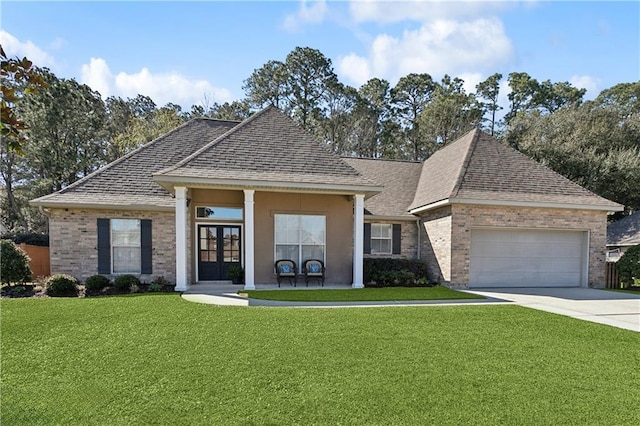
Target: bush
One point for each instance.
(31, 238)
(14, 265)
(155, 288)
(388, 272)
(629, 266)
(126, 282)
(96, 282)
(61, 285)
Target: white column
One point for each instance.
(358, 239)
(249, 242)
(181, 238)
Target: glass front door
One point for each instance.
(218, 248)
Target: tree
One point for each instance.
(409, 98)
(488, 91)
(593, 146)
(550, 97)
(523, 88)
(335, 128)
(268, 85)
(234, 111)
(623, 97)
(309, 73)
(14, 267)
(19, 78)
(451, 113)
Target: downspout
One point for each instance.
(418, 251)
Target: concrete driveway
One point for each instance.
(605, 307)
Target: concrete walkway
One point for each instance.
(601, 306)
(604, 307)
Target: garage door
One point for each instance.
(527, 258)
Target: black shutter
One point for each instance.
(104, 246)
(367, 238)
(145, 246)
(396, 235)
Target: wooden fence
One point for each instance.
(40, 263)
(611, 275)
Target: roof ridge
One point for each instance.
(123, 158)
(466, 161)
(217, 140)
(396, 160)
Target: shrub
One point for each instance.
(126, 282)
(31, 238)
(161, 281)
(155, 288)
(96, 282)
(388, 272)
(61, 285)
(15, 263)
(629, 266)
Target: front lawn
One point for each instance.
(361, 294)
(157, 359)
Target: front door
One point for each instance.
(218, 248)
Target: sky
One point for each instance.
(201, 52)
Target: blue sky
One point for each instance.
(186, 52)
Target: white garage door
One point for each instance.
(527, 258)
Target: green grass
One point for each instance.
(362, 294)
(157, 359)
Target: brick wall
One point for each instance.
(408, 240)
(74, 240)
(436, 243)
(464, 217)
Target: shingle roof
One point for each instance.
(268, 147)
(477, 167)
(128, 181)
(400, 180)
(625, 232)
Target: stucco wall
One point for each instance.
(464, 217)
(74, 241)
(338, 210)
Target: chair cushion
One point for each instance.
(285, 269)
(314, 268)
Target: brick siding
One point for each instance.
(74, 240)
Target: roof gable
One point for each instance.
(478, 168)
(128, 180)
(268, 147)
(625, 232)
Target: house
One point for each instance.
(212, 193)
(621, 235)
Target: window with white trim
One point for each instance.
(300, 237)
(125, 246)
(381, 234)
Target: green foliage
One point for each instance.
(390, 272)
(14, 263)
(126, 282)
(30, 238)
(96, 282)
(155, 288)
(629, 266)
(61, 285)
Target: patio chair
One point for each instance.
(286, 268)
(313, 269)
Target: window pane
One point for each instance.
(381, 230)
(287, 252)
(229, 213)
(313, 231)
(312, 252)
(126, 260)
(125, 232)
(380, 246)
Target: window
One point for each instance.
(228, 213)
(381, 238)
(300, 237)
(125, 246)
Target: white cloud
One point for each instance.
(58, 43)
(592, 84)
(420, 10)
(14, 47)
(439, 47)
(471, 80)
(310, 12)
(162, 88)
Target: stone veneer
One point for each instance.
(451, 253)
(74, 240)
